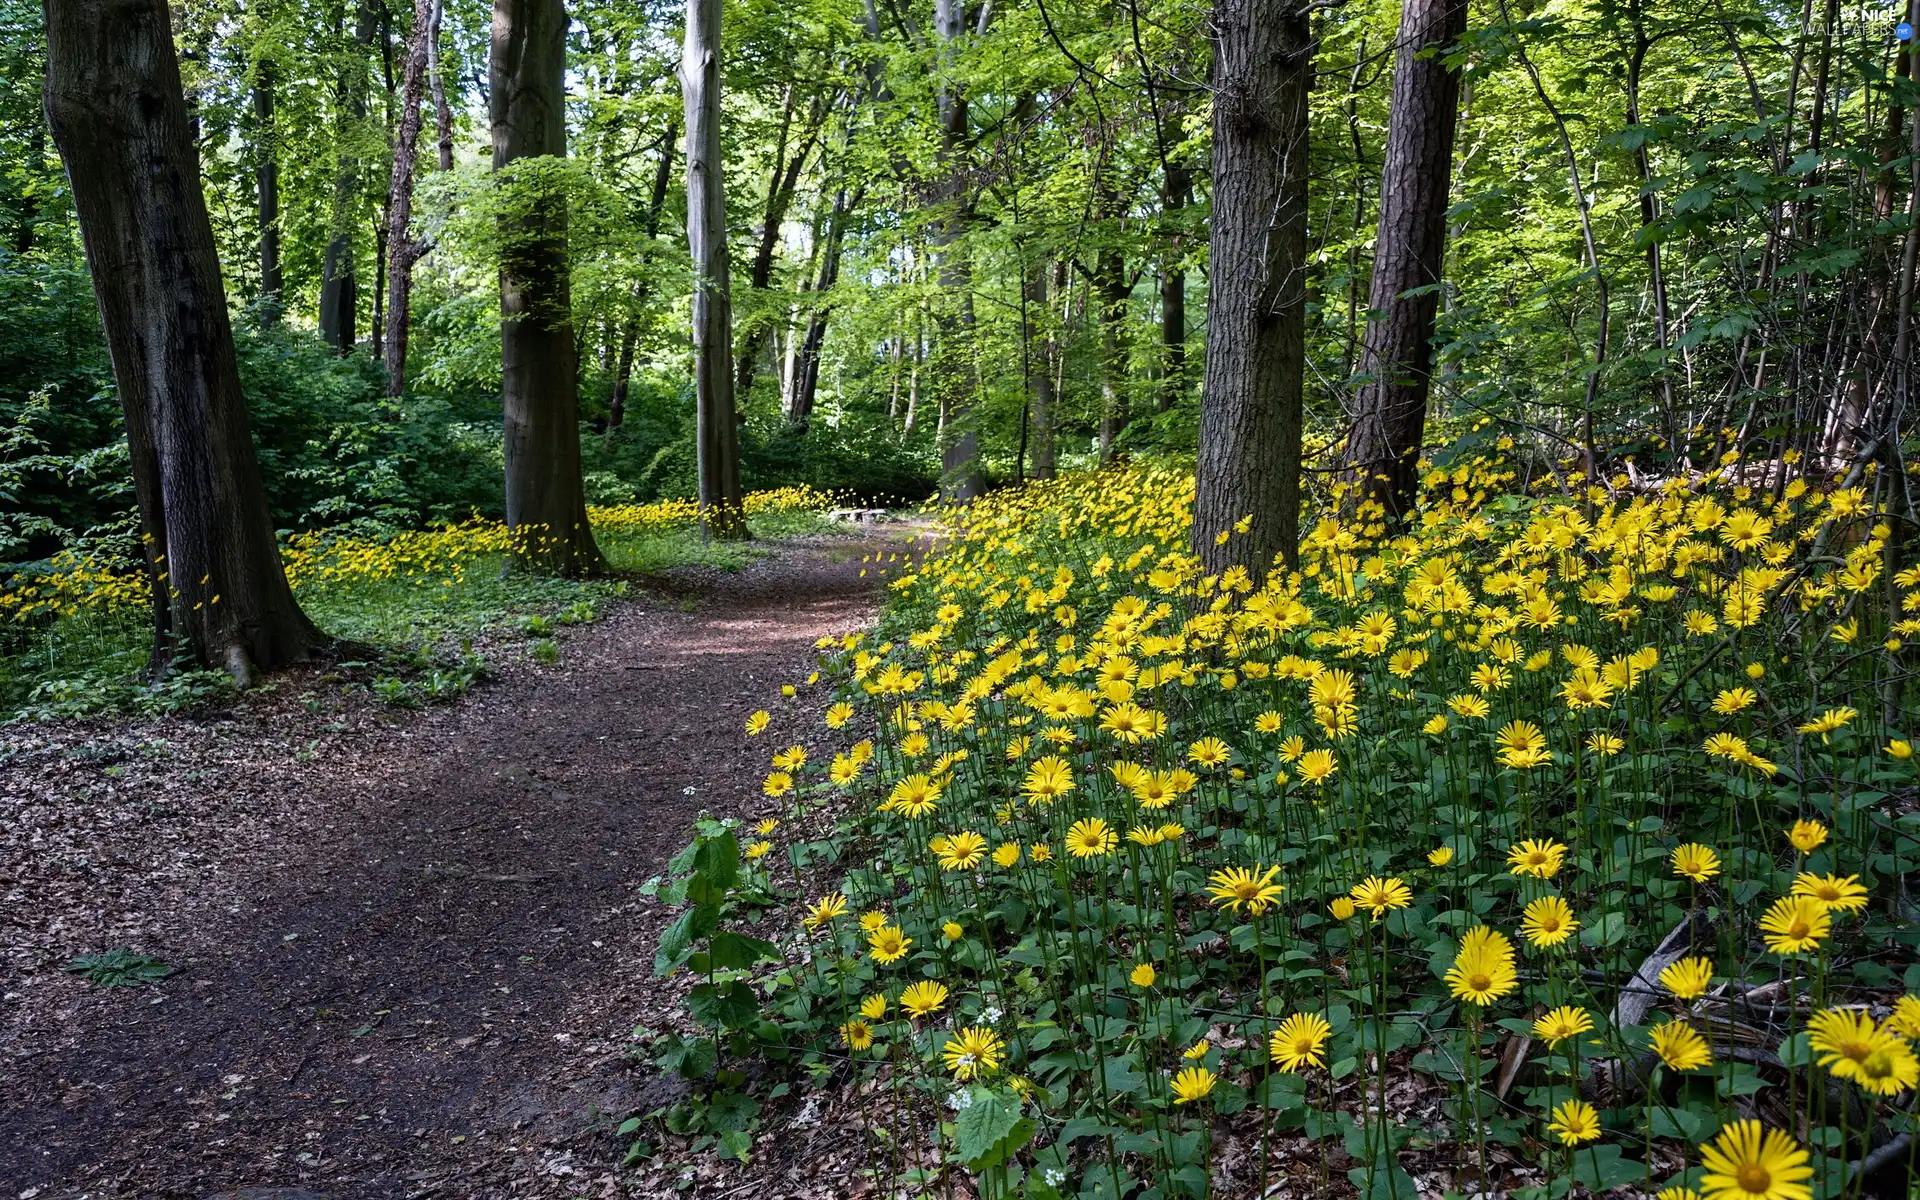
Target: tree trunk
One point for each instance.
(402, 250)
(781, 185)
(119, 117)
(546, 502)
(267, 188)
(1176, 190)
(442, 115)
(630, 329)
(1251, 409)
(1116, 351)
(1039, 369)
(717, 436)
(339, 284)
(960, 475)
(806, 384)
(1383, 451)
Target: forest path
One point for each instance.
(422, 983)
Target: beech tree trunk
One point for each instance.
(1251, 409)
(717, 434)
(1176, 190)
(630, 329)
(1390, 412)
(782, 183)
(339, 282)
(960, 475)
(546, 502)
(403, 251)
(1039, 368)
(267, 187)
(119, 117)
(806, 383)
(1116, 350)
(442, 114)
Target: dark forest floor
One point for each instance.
(412, 946)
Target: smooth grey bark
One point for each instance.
(546, 501)
(1251, 408)
(717, 435)
(403, 250)
(1390, 413)
(961, 476)
(119, 117)
(1041, 355)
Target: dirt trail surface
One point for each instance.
(413, 947)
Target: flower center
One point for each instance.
(1754, 1178)
(1857, 1051)
(1479, 983)
(1797, 930)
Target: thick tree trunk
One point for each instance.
(717, 434)
(546, 502)
(1389, 420)
(119, 117)
(1039, 371)
(960, 475)
(266, 168)
(402, 250)
(1176, 190)
(1251, 410)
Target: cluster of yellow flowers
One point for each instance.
(1130, 815)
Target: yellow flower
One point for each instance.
(1342, 908)
(1688, 978)
(1829, 721)
(888, 944)
(1748, 1163)
(757, 722)
(1794, 924)
(871, 920)
(921, 999)
(1440, 857)
(1317, 766)
(1048, 779)
(1469, 706)
(839, 714)
(1756, 671)
(777, 783)
(1606, 745)
(1197, 1050)
(961, 852)
(1006, 854)
(1680, 1046)
(1548, 921)
(1436, 725)
(1209, 752)
(758, 850)
(1900, 748)
(1380, 896)
(1562, 1023)
(1191, 1084)
(1540, 858)
(1482, 971)
(1235, 886)
(1807, 836)
(952, 931)
(1905, 1020)
(1695, 861)
(766, 827)
(1574, 1122)
(873, 1007)
(1844, 894)
(1677, 1193)
(1143, 975)
(825, 909)
(973, 1052)
(791, 759)
(1300, 1041)
(1091, 837)
(858, 1035)
(1733, 700)
(1890, 1069)
(1040, 852)
(914, 796)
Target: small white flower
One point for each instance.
(1054, 1176)
(688, 790)
(990, 1014)
(959, 1100)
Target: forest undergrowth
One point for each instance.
(1552, 845)
(76, 637)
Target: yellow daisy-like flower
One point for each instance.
(973, 1052)
(1209, 752)
(777, 783)
(1192, 1084)
(1794, 924)
(888, 944)
(1436, 725)
(858, 1035)
(757, 722)
(1747, 1162)
(766, 827)
(1091, 837)
(1317, 766)
(1695, 861)
(921, 999)
(1048, 779)
(1380, 896)
(839, 714)
(1300, 1041)
(1548, 921)
(1807, 836)
(1539, 858)
(915, 796)
(825, 909)
(1905, 1020)
(1130, 723)
(1482, 971)
(1342, 908)
(1470, 706)
(1143, 975)
(1733, 700)
(1677, 1193)
(1040, 852)
(1606, 745)
(1236, 886)
(1688, 978)
(872, 919)
(1197, 1050)
(962, 852)
(1829, 722)
(1562, 1023)
(1440, 857)
(1574, 1122)
(1844, 894)
(791, 759)
(873, 1007)
(1006, 854)
(757, 850)
(1680, 1046)
(1844, 1040)
(952, 931)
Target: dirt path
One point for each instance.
(412, 963)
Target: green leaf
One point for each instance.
(676, 942)
(736, 1145)
(735, 951)
(727, 1007)
(1601, 1168)
(990, 1129)
(732, 1112)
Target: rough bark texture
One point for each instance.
(403, 251)
(1390, 412)
(1176, 190)
(442, 114)
(1249, 456)
(119, 117)
(1116, 350)
(267, 187)
(339, 281)
(717, 436)
(961, 477)
(546, 503)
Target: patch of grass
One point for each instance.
(120, 968)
